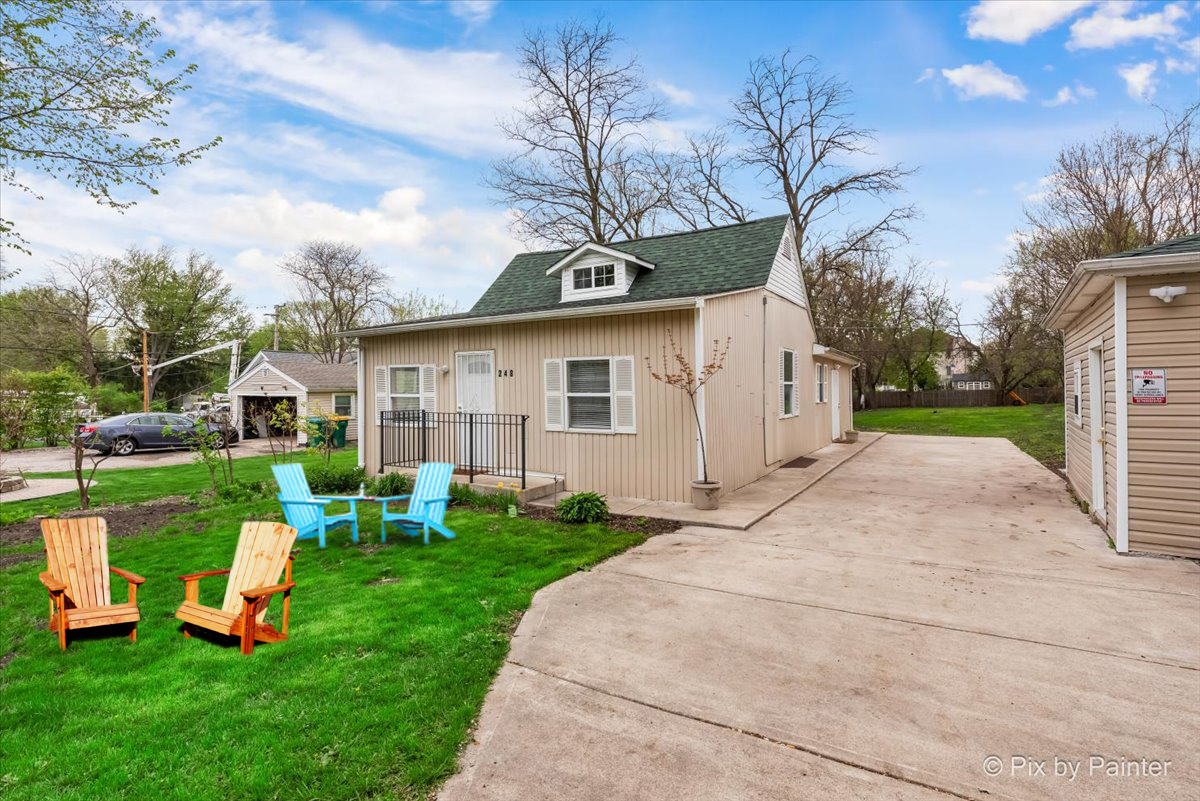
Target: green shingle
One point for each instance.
(1184, 244)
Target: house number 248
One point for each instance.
(505, 373)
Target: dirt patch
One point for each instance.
(123, 521)
(641, 525)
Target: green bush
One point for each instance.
(325, 478)
(463, 495)
(387, 485)
(112, 399)
(582, 507)
(243, 492)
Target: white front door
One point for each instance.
(475, 379)
(835, 403)
(1096, 425)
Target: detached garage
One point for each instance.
(1131, 336)
(301, 379)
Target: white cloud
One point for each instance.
(985, 80)
(1178, 65)
(1018, 22)
(1139, 79)
(992, 283)
(1067, 94)
(475, 12)
(1110, 25)
(445, 99)
(927, 74)
(677, 95)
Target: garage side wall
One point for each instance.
(1096, 322)
(1164, 440)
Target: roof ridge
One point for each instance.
(614, 245)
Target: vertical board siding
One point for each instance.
(658, 461)
(1164, 441)
(319, 402)
(1094, 322)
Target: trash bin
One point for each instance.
(316, 425)
(339, 433)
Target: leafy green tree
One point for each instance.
(113, 399)
(16, 409)
(79, 84)
(56, 396)
(184, 307)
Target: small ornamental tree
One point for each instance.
(678, 372)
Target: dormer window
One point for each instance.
(594, 277)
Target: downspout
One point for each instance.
(1121, 382)
(360, 408)
(699, 362)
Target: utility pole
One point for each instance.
(276, 317)
(145, 375)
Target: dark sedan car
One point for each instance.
(127, 433)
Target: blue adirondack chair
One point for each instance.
(426, 505)
(304, 511)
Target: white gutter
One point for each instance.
(602, 310)
(360, 408)
(1132, 266)
(835, 355)
(1121, 381)
(699, 362)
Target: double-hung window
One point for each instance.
(787, 383)
(594, 277)
(404, 388)
(343, 404)
(590, 394)
(822, 375)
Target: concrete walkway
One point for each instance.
(915, 625)
(746, 505)
(53, 460)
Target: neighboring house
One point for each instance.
(956, 358)
(1131, 333)
(562, 337)
(969, 381)
(307, 383)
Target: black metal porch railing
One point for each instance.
(474, 442)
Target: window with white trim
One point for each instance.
(594, 277)
(822, 395)
(1078, 391)
(591, 394)
(404, 388)
(787, 382)
(343, 404)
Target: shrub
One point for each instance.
(243, 491)
(463, 495)
(324, 478)
(113, 399)
(388, 484)
(582, 507)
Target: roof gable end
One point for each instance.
(602, 250)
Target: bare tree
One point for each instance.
(416, 305)
(921, 312)
(698, 183)
(79, 444)
(801, 135)
(80, 283)
(583, 171)
(1011, 346)
(1120, 191)
(338, 288)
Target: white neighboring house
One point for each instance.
(312, 385)
(970, 381)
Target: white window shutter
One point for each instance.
(553, 372)
(381, 391)
(817, 381)
(624, 416)
(428, 388)
(783, 354)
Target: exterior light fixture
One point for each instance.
(1167, 293)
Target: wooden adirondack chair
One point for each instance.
(426, 505)
(306, 512)
(263, 550)
(77, 578)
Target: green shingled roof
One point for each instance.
(1184, 244)
(686, 264)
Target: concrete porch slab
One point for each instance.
(536, 485)
(747, 505)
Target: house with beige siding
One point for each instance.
(547, 374)
(1131, 337)
(306, 381)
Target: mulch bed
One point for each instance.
(641, 525)
(123, 521)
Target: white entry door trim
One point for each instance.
(475, 387)
(1096, 423)
(835, 403)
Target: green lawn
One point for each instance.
(137, 484)
(392, 650)
(1036, 429)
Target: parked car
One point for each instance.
(126, 433)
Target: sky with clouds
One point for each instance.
(375, 122)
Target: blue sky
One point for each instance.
(375, 122)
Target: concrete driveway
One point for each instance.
(934, 619)
(51, 460)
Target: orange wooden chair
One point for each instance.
(77, 578)
(263, 550)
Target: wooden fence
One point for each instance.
(893, 399)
